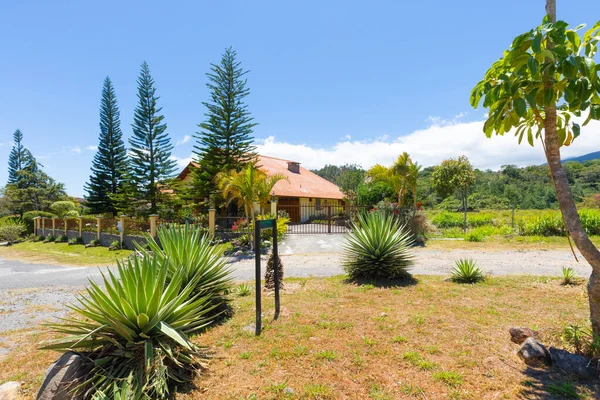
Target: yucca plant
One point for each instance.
(243, 290)
(190, 250)
(137, 328)
(569, 276)
(466, 271)
(378, 247)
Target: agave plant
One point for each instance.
(188, 250)
(466, 271)
(377, 247)
(569, 276)
(137, 329)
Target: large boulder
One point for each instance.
(534, 354)
(10, 390)
(63, 376)
(519, 335)
(573, 364)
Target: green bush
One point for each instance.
(466, 271)
(377, 247)
(448, 220)
(136, 330)
(479, 234)
(476, 220)
(474, 236)
(12, 232)
(548, 225)
(188, 251)
(49, 238)
(61, 239)
(590, 220)
(76, 240)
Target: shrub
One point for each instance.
(188, 248)
(12, 232)
(243, 290)
(377, 247)
(94, 242)
(474, 236)
(49, 238)
(466, 271)
(76, 240)
(448, 220)
(547, 225)
(270, 272)
(30, 215)
(569, 277)
(61, 239)
(282, 225)
(590, 220)
(580, 340)
(137, 331)
(115, 243)
(475, 220)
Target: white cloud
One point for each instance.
(92, 148)
(182, 162)
(75, 150)
(430, 146)
(185, 139)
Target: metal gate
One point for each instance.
(311, 219)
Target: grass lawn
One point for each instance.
(428, 340)
(62, 254)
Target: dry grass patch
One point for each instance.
(334, 340)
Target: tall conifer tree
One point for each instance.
(151, 146)
(225, 139)
(109, 166)
(16, 158)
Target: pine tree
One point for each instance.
(16, 157)
(151, 147)
(110, 162)
(225, 141)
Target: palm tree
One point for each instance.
(413, 177)
(265, 186)
(401, 176)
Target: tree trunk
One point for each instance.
(567, 203)
(513, 216)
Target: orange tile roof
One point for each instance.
(302, 184)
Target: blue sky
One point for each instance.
(331, 81)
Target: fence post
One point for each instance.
(43, 227)
(66, 225)
(211, 220)
(35, 225)
(153, 222)
(274, 207)
(122, 233)
(328, 219)
(98, 227)
(54, 226)
(80, 227)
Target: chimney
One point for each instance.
(294, 167)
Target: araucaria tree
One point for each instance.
(109, 166)
(539, 89)
(225, 140)
(454, 176)
(151, 165)
(16, 158)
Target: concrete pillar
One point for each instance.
(98, 227)
(153, 224)
(274, 207)
(212, 214)
(257, 209)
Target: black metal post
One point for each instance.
(276, 267)
(257, 276)
(328, 219)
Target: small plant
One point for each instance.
(115, 245)
(580, 340)
(49, 238)
(450, 378)
(75, 240)
(378, 247)
(270, 272)
(328, 355)
(243, 290)
(94, 242)
(569, 276)
(61, 239)
(467, 271)
(245, 355)
(303, 282)
(565, 390)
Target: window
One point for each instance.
(318, 204)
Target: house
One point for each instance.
(303, 195)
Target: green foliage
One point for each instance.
(243, 290)
(115, 244)
(12, 231)
(17, 158)
(516, 88)
(466, 271)
(49, 238)
(402, 177)
(61, 239)
(76, 240)
(282, 226)
(64, 209)
(377, 247)
(474, 236)
(580, 340)
(453, 176)
(348, 177)
(150, 145)
(109, 167)
(447, 220)
(569, 276)
(225, 141)
(565, 390)
(137, 328)
(189, 252)
(28, 217)
(95, 242)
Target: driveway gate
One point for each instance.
(310, 219)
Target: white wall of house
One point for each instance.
(312, 207)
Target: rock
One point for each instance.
(383, 315)
(10, 390)
(288, 390)
(519, 335)
(250, 328)
(534, 354)
(62, 376)
(573, 364)
(5, 244)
